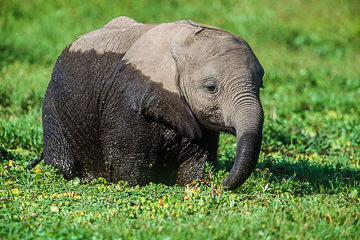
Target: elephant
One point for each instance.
(144, 103)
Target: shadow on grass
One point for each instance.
(305, 176)
(4, 154)
(319, 176)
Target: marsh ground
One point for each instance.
(306, 184)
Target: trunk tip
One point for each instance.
(247, 153)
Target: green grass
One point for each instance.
(306, 184)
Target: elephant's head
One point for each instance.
(209, 78)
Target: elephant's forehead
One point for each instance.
(229, 64)
(220, 48)
(235, 56)
(227, 73)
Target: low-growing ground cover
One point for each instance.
(306, 184)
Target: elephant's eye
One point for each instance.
(211, 85)
(211, 88)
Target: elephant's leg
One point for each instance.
(131, 168)
(129, 144)
(199, 153)
(191, 170)
(57, 151)
(128, 156)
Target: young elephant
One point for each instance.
(139, 103)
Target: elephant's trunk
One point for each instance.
(248, 125)
(247, 153)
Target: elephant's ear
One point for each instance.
(154, 91)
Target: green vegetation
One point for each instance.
(306, 184)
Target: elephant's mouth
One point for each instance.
(214, 123)
(222, 128)
(229, 130)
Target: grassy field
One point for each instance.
(306, 184)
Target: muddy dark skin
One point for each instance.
(107, 138)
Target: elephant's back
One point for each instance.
(117, 36)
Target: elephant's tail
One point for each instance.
(35, 162)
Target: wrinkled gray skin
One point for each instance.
(139, 103)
